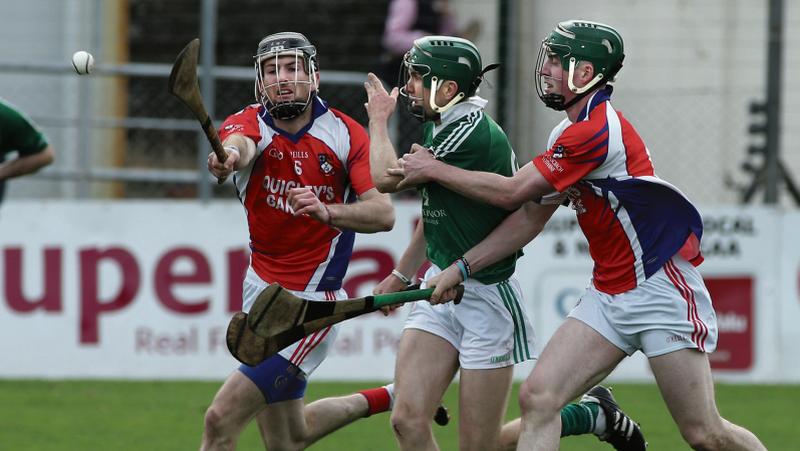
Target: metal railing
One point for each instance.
(85, 124)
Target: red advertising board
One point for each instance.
(733, 302)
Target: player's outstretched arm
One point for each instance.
(240, 150)
(517, 230)
(380, 106)
(509, 193)
(408, 265)
(372, 213)
(27, 164)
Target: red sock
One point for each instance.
(378, 400)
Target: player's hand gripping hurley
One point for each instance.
(183, 85)
(278, 318)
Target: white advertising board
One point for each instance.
(144, 290)
(788, 298)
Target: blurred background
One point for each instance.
(692, 71)
(123, 260)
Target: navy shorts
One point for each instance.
(277, 379)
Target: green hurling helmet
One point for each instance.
(440, 58)
(580, 40)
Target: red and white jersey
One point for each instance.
(330, 155)
(634, 221)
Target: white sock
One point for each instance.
(390, 389)
(600, 422)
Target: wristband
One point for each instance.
(400, 276)
(466, 264)
(463, 265)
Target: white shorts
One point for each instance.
(670, 311)
(310, 351)
(489, 328)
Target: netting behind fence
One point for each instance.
(116, 122)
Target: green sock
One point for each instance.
(577, 419)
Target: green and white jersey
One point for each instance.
(471, 140)
(17, 132)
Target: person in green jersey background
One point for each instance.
(18, 134)
(489, 331)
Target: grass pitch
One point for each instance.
(114, 415)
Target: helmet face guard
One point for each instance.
(414, 104)
(572, 42)
(436, 59)
(551, 100)
(270, 49)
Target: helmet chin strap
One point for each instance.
(575, 89)
(435, 85)
(557, 101)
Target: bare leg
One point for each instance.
(283, 426)
(424, 368)
(286, 425)
(684, 378)
(235, 404)
(575, 359)
(483, 397)
(509, 435)
(321, 418)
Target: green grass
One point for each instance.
(111, 415)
